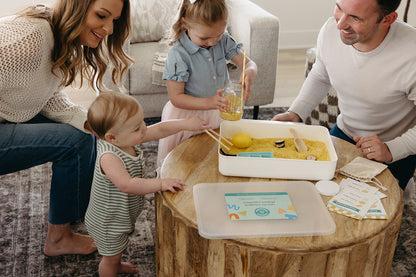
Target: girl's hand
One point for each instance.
(172, 185)
(196, 124)
(250, 73)
(218, 102)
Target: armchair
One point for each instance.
(248, 23)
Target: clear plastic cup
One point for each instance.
(232, 93)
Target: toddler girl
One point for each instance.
(118, 186)
(196, 70)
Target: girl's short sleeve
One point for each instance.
(231, 46)
(176, 68)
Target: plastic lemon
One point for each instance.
(241, 140)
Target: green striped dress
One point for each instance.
(111, 214)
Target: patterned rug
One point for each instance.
(24, 211)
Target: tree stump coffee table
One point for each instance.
(357, 248)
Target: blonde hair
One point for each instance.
(201, 11)
(108, 109)
(67, 19)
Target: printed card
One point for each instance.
(259, 205)
(358, 200)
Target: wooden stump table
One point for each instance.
(357, 248)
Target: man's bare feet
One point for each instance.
(62, 240)
(126, 267)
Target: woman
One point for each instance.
(42, 50)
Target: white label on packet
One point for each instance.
(361, 186)
(357, 185)
(354, 201)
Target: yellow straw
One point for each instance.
(243, 79)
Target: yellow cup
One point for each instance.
(232, 93)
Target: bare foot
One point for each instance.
(126, 267)
(61, 240)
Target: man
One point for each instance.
(370, 60)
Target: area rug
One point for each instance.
(24, 211)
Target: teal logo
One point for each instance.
(261, 212)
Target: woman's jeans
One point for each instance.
(403, 169)
(72, 153)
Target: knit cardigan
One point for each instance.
(27, 85)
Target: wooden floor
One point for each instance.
(290, 76)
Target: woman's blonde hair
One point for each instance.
(201, 11)
(67, 18)
(108, 109)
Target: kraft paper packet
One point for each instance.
(364, 170)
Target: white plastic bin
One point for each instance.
(276, 167)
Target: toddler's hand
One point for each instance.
(196, 124)
(218, 102)
(173, 185)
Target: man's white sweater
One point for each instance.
(376, 90)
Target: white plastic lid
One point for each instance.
(328, 188)
(214, 222)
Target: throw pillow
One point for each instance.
(325, 114)
(151, 19)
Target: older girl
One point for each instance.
(196, 70)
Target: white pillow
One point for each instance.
(151, 19)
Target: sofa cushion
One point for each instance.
(150, 19)
(141, 73)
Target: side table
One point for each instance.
(357, 248)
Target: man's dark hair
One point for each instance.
(388, 6)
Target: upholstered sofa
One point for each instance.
(249, 24)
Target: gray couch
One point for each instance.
(249, 24)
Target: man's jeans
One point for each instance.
(403, 169)
(72, 153)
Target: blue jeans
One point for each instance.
(72, 153)
(402, 169)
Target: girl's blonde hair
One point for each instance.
(201, 11)
(67, 18)
(108, 109)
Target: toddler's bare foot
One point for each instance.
(60, 240)
(126, 267)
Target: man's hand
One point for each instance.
(287, 116)
(373, 148)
